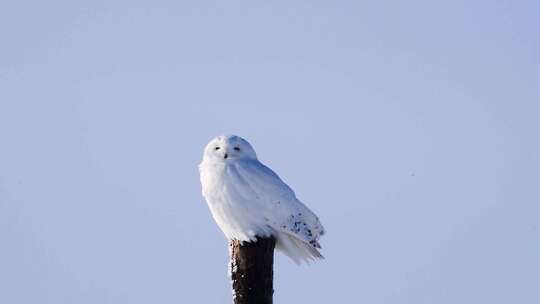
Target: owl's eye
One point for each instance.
(236, 149)
(217, 148)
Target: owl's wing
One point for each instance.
(278, 205)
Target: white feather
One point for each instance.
(247, 199)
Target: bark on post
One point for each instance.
(252, 271)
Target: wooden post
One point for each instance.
(252, 271)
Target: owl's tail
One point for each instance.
(298, 250)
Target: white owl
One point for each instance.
(247, 199)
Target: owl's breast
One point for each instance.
(233, 202)
(226, 184)
(212, 181)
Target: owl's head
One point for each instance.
(228, 148)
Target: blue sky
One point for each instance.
(411, 128)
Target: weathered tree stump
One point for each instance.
(252, 271)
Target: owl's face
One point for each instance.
(229, 148)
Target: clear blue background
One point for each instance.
(410, 127)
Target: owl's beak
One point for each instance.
(226, 155)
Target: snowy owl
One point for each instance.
(247, 199)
